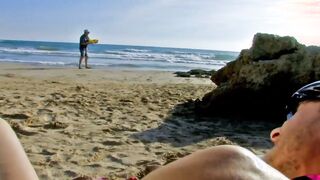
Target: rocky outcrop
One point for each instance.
(259, 82)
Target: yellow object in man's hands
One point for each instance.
(93, 41)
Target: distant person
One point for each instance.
(295, 155)
(83, 46)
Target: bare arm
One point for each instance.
(14, 163)
(222, 162)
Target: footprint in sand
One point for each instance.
(57, 96)
(70, 173)
(46, 152)
(55, 125)
(15, 116)
(45, 115)
(81, 75)
(95, 165)
(20, 129)
(112, 142)
(9, 75)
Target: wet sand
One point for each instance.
(111, 123)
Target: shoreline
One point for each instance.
(111, 123)
(105, 74)
(115, 57)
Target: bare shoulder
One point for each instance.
(241, 163)
(220, 162)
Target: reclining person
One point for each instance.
(295, 155)
(296, 151)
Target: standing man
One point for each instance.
(84, 41)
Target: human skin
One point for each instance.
(296, 143)
(220, 162)
(295, 153)
(14, 163)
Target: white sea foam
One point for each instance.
(120, 55)
(181, 57)
(136, 50)
(138, 55)
(30, 61)
(36, 51)
(113, 55)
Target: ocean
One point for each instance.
(114, 56)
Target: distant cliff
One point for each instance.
(258, 83)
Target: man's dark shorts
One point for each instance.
(83, 52)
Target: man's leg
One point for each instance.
(14, 163)
(86, 58)
(86, 61)
(83, 54)
(80, 60)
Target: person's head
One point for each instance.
(86, 32)
(296, 150)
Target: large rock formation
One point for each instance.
(259, 82)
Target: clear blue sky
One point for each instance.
(203, 24)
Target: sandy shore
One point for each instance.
(110, 123)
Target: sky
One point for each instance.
(201, 24)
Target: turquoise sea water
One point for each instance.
(114, 56)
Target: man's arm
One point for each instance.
(221, 162)
(84, 40)
(14, 163)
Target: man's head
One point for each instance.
(296, 148)
(86, 32)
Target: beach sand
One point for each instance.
(111, 123)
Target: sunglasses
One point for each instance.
(307, 93)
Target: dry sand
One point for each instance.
(111, 123)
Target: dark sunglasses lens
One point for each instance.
(292, 108)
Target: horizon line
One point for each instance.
(50, 41)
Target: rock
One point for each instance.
(198, 73)
(182, 74)
(259, 82)
(267, 46)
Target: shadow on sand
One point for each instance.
(182, 128)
